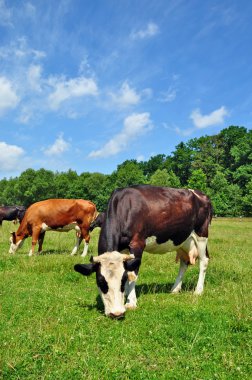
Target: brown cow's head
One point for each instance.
(111, 275)
(15, 243)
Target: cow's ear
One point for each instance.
(85, 269)
(131, 265)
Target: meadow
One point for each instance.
(52, 324)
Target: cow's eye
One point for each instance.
(123, 281)
(102, 283)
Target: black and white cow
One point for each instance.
(152, 219)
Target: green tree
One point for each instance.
(65, 183)
(8, 194)
(229, 138)
(128, 174)
(198, 180)
(207, 155)
(181, 162)
(152, 165)
(163, 178)
(226, 198)
(247, 200)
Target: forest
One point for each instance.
(219, 165)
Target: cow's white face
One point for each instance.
(111, 276)
(111, 282)
(14, 245)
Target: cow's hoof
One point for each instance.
(129, 306)
(176, 291)
(198, 292)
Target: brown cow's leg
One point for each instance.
(35, 237)
(40, 241)
(84, 235)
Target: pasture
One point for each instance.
(52, 324)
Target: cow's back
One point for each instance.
(59, 212)
(149, 210)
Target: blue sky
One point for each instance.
(85, 85)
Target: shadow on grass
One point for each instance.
(155, 288)
(141, 289)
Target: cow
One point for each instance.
(11, 213)
(58, 215)
(98, 221)
(152, 219)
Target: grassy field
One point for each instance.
(52, 324)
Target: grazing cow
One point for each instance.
(55, 214)
(98, 221)
(155, 220)
(11, 213)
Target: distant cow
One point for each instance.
(98, 221)
(155, 220)
(11, 213)
(58, 215)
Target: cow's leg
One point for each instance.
(35, 237)
(86, 237)
(178, 282)
(77, 243)
(40, 242)
(130, 291)
(136, 248)
(203, 263)
(85, 250)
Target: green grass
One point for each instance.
(52, 324)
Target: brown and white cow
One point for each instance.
(58, 215)
(155, 220)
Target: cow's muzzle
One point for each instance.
(117, 315)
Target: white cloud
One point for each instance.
(150, 31)
(34, 77)
(214, 118)
(19, 50)
(168, 96)
(126, 96)
(134, 125)
(8, 97)
(10, 156)
(58, 147)
(68, 89)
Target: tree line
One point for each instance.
(219, 165)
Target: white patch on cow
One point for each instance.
(203, 263)
(66, 228)
(153, 247)
(197, 195)
(15, 247)
(85, 250)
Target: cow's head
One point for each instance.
(15, 243)
(111, 275)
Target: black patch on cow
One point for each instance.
(102, 283)
(123, 281)
(132, 265)
(85, 269)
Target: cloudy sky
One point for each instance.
(87, 84)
